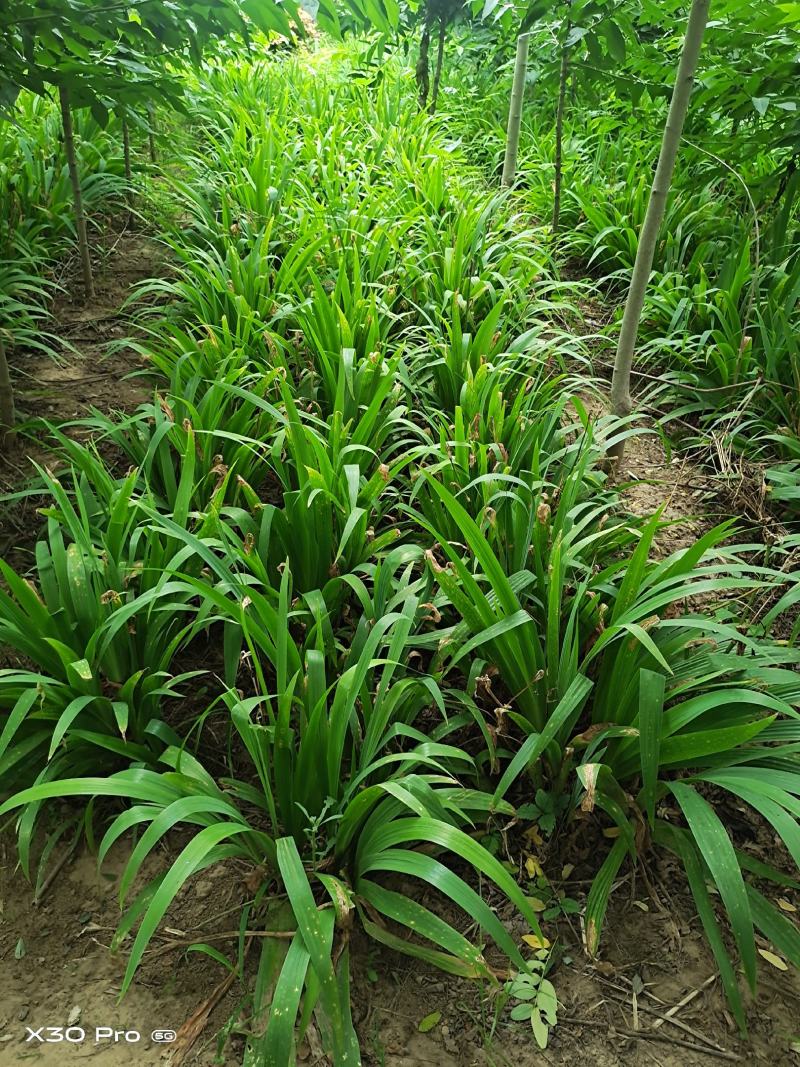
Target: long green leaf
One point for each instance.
(718, 853)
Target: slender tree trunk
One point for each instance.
(515, 111)
(80, 219)
(7, 416)
(562, 93)
(126, 149)
(423, 66)
(789, 171)
(437, 75)
(151, 134)
(679, 105)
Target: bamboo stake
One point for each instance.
(7, 414)
(515, 111)
(126, 151)
(423, 69)
(679, 105)
(151, 136)
(437, 76)
(562, 93)
(80, 219)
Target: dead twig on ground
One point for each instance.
(668, 1015)
(196, 1023)
(665, 1017)
(650, 1035)
(64, 859)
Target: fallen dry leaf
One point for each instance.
(533, 867)
(535, 942)
(770, 957)
(533, 835)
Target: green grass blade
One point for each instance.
(651, 709)
(717, 851)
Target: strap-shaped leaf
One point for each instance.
(682, 845)
(651, 709)
(422, 922)
(561, 719)
(277, 1045)
(597, 900)
(775, 926)
(311, 926)
(717, 851)
(189, 861)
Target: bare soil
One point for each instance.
(83, 376)
(686, 494)
(55, 968)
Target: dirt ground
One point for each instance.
(55, 966)
(56, 970)
(83, 376)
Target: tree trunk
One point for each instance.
(80, 220)
(679, 105)
(562, 93)
(422, 71)
(437, 76)
(515, 111)
(126, 149)
(7, 417)
(151, 133)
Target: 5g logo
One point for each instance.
(163, 1037)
